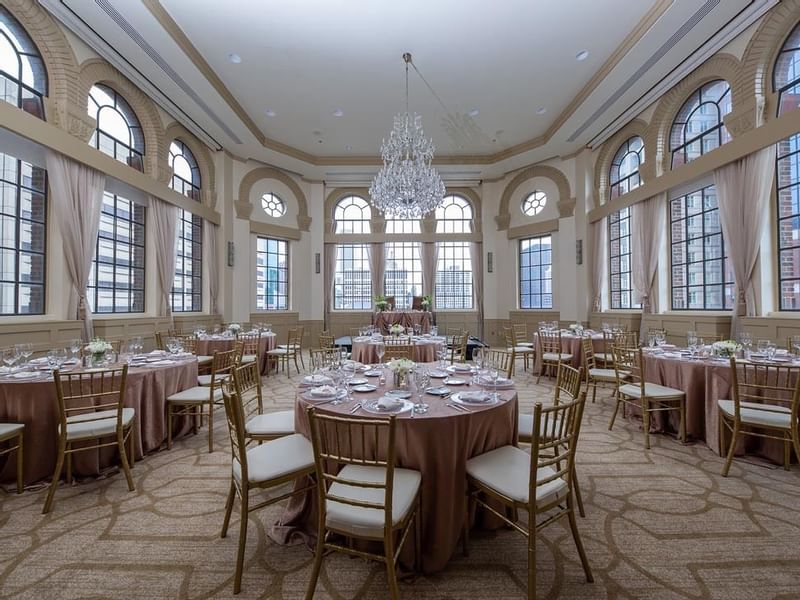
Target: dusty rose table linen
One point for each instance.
(438, 444)
(406, 318)
(570, 344)
(207, 345)
(365, 351)
(35, 404)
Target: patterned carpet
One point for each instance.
(660, 524)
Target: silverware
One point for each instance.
(458, 407)
(447, 395)
(355, 408)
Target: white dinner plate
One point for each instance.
(399, 393)
(375, 408)
(365, 387)
(473, 399)
(454, 381)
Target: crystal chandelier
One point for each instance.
(407, 186)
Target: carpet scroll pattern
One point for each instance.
(660, 524)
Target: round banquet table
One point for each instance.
(438, 444)
(364, 350)
(34, 403)
(570, 344)
(207, 345)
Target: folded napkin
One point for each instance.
(161, 363)
(323, 390)
(389, 403)
(316, 379)
(476, 397)
(461, 367)
(24, 375)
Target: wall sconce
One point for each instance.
(579, 252)
(490, 262)
(231, 253)
(316, 263)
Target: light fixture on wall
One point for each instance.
(407, 186)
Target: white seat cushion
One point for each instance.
(765, 415)
(96, 424)
(205, 380)
(194, 395)
(8, 430)
(526, 344)
(249, 358)
(368, 522)
(553, 356)
(277, 458)
(204, 360)
(507, 470)
(606, 374)
(279, 352)
(651, 390)
(521, 349)
(604, 356)
(274, 423)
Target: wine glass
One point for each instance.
(26, 350)
(494, 374)
(380, 350)
(421, 381)
(796, 345)
(771, 349)
(75, 346)
(691, 338)
(661, 339)
(340, 381)
(761, 346)
(10, 357)
(60, 356)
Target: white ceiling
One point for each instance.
(305, 59)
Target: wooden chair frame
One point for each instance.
(549, 343)
(526, 351)
(398, 351)
(81, 393)
(589, 364)
(292, 348)
(502, 358)
(336, 441)
(324, 357)
(16, 440)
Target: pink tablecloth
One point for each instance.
(365, 351)
(406, 318)
(570, 344)
(438, 444)
(35, 404)
(208, 345)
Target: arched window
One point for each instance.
(118, 132)
(23, 78)
(454, 215)
(402, 277)
(786, 82)
(624, 175)
(533, 203)
(273, 206)
(698, 127)
(352, 215)
(187, 287)
(397, 225)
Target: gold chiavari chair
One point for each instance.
(221, 369)
(199, 401)
(521, 337)
(270, 465)
(361, 493)
(541, 483)
(595, 374)
(259, 425)
(766, 404)
(326, 339)
(13, 434)
(502, 358)
(324, 357)
(251, 344)
(189, 343)
(161, 343)
(606, 357)
(399, 350)
(458, 348)
(290, 349)
(526, 352)
(551, 352)
(649, 397)
(91, 408)
(625, 339)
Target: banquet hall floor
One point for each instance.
(659, 524)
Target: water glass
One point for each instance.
(10, 356)
(75, 346)
(771, 349)
(494, 374)
(380, 350)
(434, 330)
(421, 381)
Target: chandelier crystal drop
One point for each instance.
(407, 186)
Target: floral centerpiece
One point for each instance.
(234, 328)
(576, 328)
(381, 303)
(396, 329)
(726, 348)
(427, 302)
(98, 348)
(401, 367)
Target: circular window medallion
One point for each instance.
(534, 203)
(273, 206)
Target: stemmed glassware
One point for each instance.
(494, 374)
(24, 350)
(380, 350)
(75, 346)
(746, 340)
(691, 342)
(421, 381)
(10, 357)
(796, 346)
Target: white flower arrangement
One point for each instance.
(576, 327)
(98, 346)
(401, 366)
(234, 327)
(396, 329)
(726, 348)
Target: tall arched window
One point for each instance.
(786, 82)
(453, 289)
(698, 127)
(187, 287)
(23, 78)
(352, 289)
(118, 132)
(454, 215)
(352, 215)
(624, 175)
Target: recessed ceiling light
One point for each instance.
(474, 112)
(582, 55)
(234, 58)
(541, 110)
(269, 112)
(338, 112)
(349, 148)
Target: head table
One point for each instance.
(438, 444)
(34, 402)
(424, 348)
(407, 318)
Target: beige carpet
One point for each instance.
(660, 524)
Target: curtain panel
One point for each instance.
(743, 191)
(77, 199)
(596, 263)
(210, 232)
(476, 256)
(165, 218)
(647, 236)
(328, 281)
(377, 267)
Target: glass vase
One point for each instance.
(401, 380)
(98, 358)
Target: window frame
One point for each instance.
(340, 223)
(629, 290)
(616, 185)
(404, 300)
(720, 129)
(441, 296)
(363, 260)
(121, 106)
(521, 269)
(538, 196)
(39, 88)
(466, 223)
(786, 49)
(287, 297)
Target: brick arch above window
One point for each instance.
(244, 205)
(208, 190)
(566, 202)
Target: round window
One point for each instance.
(534, 203)
(273, 206)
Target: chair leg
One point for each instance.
(123, 457)
(169, 426)
(682, 408)
(465, 533)
(573, 525)
(796, 442)
(616, 410)
(787, 451)
(731, 449)
(48, 503)
(418, 536)
(20, 479)
(391, 572)
(577, 488)
(132, 447)
(210, 427)
(318, 552)
(532, 557)
(646, 422)
(594, 391)
(228, 509)
(69, 465)
(237, 578)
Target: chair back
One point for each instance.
(324, 357)
(555, 439)
(589, 361)
(628, 366)
(568, 383)
(251, 343)
(459, 348)
(247, 383)
(83, 393)
(326, 339)
(626, 339)
(224, 363)
(160, 343)
(294, 339)
(189, 343)
(235, 415)
(339, 441)
(399, 350)
(390, 302)
(550, 342)
(768, 384)
(416, 303)
(504, 359)
(520, 331)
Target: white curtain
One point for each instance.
(429, 253)
(377, 267)
(596, 263)
(647, 235)
(743, 192)
(77, 199)
(165, 218)
(328, 283)
(212, 259)
(476, 257)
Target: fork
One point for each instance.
(355, 408)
